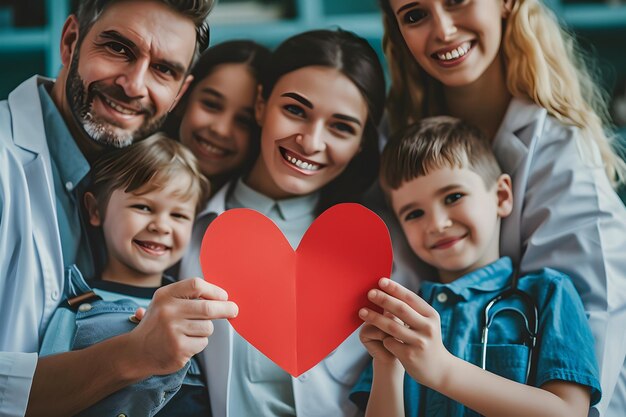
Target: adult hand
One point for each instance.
(416, 340)
(177, 325)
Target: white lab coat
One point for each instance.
(565, 216)
(31, 263)
(320, 392)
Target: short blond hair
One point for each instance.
(156, 160)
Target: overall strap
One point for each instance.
(77, 289)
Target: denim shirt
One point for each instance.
(564, 348)
(182, 393)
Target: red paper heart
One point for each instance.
(296, 307)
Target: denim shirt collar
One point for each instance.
(67, 157)
(493, 277)
(290, 208)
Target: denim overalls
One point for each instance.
(93, 320)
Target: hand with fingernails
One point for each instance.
(409, 330)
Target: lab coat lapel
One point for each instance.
(217, 359)
(29, 134)
(514, 146)
(217, 356)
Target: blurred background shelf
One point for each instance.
(594, 16)
(269, 22)
(18, 36)
(24, 39)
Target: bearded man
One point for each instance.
(125, 65)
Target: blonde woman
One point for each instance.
(507, 67)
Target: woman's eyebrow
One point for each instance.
(407, 6)
(299, 99)
(347, 118)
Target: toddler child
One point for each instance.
(144, 198)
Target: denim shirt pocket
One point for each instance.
(507, 360)
(101, 320)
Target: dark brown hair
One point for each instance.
(434, 143)
(353, 57)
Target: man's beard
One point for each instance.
(104, 132)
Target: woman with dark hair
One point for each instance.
(321, 99)
(215, 118)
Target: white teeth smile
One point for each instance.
(151, 246)
(210, 148)
(455, 53)
(119, 108)
(303, 165)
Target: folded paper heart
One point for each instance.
(296, 307)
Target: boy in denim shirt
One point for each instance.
(144, 199)
(448, 193)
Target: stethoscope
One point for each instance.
(527, 314)
(529, 317)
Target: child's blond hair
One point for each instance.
(154, 161)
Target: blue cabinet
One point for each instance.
(43, 40)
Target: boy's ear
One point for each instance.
(259, 106)
(95, 219)
(504, 191)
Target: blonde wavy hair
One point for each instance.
(542, 63)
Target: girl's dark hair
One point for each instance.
(356, 59)
(231, 52)
(247, 52)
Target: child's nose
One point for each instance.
(440, 221)
(160, 226)
(223, 126)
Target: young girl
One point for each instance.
(215, 118)
(506, 67)
(320, 102)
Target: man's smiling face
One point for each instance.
(128, 71)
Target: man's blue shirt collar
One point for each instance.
(69, 160)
